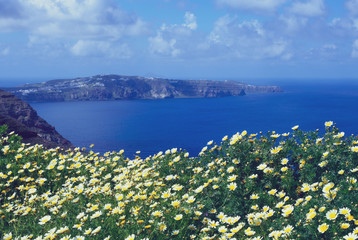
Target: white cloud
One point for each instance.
(72, 19)
(324, 52)
(276, 49)
(352, 6)
(293, 24)
(158, 45)
(355, 24)
(329, 46)
(355, 49)
(336, 22)
(343, 25)
(5, 51)
(310, 8)
(88, 48)
(96, 28)
(246, 39)
(344, 28)
(252, 26)
(173, 40)
(287, 56)
(253, 5)
(190, 21)
(228, 30)
(79, 27)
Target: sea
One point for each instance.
(150, 126)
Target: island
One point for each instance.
(118, 87)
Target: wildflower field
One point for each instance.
(296, 185)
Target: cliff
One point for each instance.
(23, 119)
(116, 87)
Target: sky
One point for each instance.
(196, 39)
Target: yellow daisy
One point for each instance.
(323, 228)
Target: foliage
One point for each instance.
(297, 185)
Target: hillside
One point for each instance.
(116, 87)
(297, 185)
(23, 119)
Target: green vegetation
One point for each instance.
(297, 185)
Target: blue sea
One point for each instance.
(151, 126)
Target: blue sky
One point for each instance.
(199, 39)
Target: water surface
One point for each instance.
(156, 125)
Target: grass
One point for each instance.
(297, 185)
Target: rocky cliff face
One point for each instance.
(23, 119)
(115, 87)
